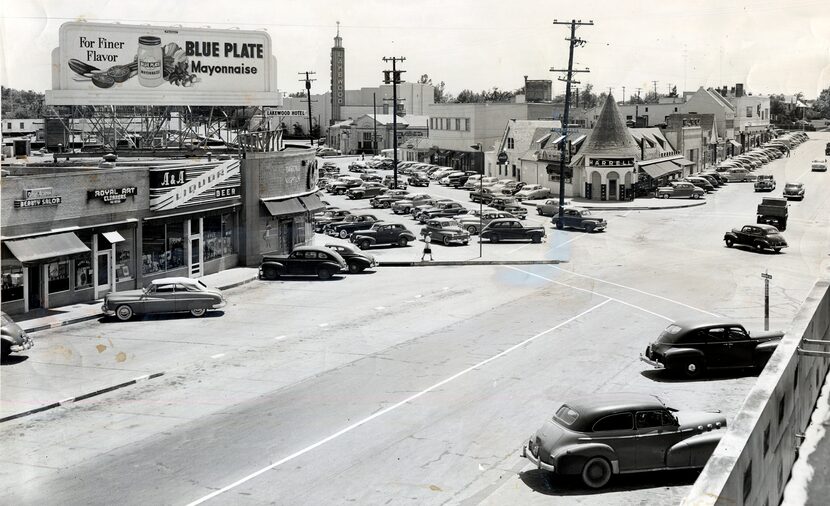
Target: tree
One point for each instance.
(822, 104)
(587, 98)
(21, 104)
(438, 95)
(467, 96)
(673, 92)
(298, 94)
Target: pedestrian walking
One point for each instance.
(362, 156)
(788, 152)
(427, 248)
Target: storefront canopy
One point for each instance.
(283, 207)
(312, 203)
(683, 162)
(660, 169)
(735, 143)
(34, 249)
(113, 237)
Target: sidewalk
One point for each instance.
(639, 204)
(42, 319)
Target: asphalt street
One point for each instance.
(413, 385)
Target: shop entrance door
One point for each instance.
(104, 272)
(195, 257)
(35, 287)
(612, 189)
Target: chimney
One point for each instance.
(723, 91)
(732, 91)
(739, 90)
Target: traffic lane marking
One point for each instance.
(591, 292)
(636, 290)
(393, 407)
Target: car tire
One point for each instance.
(324, 273)
(693, 368)
(365, 244)
(777, 250)
(729, 242)
(343, 234)
(665, 195)
(596, 472)
(589, 227)
(758, 247)
(341, 192)
(270, 273)
(354, 268)
(446, 241)
(5, 349)
(385, 205)
(537, 238)
(124, 312)
(198, 312)
(403, 242)
(539, 211)
(472, 230)
(494, 238)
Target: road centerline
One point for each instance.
(393, 407)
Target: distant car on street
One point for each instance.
(418, 179)
(765, 183)
(794, 191)
(164, 295)
(366, 190)
(819, 166)
(583, 219)
(532, 192)
(14, 338)
(679, 189)
(471, 222)
(691, 348)
(303, 261)
(508, 229)
(605, 434)
(759, 237)
(550, 207)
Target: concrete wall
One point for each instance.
(752, 463)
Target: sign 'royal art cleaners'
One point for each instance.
(99, 63)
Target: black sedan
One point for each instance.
(303, 261)
(759, 237)
(357, 260)
(692, 347)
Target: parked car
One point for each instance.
(765, 183)
(358, 166)
(773, 211)
(794, 191)
(383, 233)
(679, 189)
(344, 229)
(606, 434)
(341, 186)
(819, 166)
(445, 231)
(692, 347)
(472, 182)
(372, 177)
(403, 206)
(389, 181)
(446, 178)
(702, 183)
(429, 204)
(471, 223)
(14, 338)
(164, 295)
(714, 181)
(550, 207)
(759, 237)
(511, 229)
(532, 192)
(303, 261)
(388, 197)
(498, 202)
(356, 260)
(443, 209)
(575, 217)
(484, 194)
(516, 209)
(511, 187)
(418, 179)
(365, 190)
(324, 218)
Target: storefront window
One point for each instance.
(83, 272)
(58, 273)
(123, 256)
(153, 257)
(299, 230)
(175, 245)
(219, 236)
(12, 275)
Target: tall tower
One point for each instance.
(338, 77)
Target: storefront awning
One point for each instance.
(683, 162)
(282, 207)
(735, 143)
(312, 203)
(46, 246)
(660, 169)
(113, 237)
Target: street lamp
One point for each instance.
(477, 147)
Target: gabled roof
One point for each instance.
(609, 135)
(717, 97)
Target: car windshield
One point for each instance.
(671, 334)
(792, 187)
(566, 415)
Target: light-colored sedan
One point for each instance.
(532, 192)
(164, 295)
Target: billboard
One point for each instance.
(114, 64)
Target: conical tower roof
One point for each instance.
(610, 135)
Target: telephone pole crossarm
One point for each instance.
(308, 81)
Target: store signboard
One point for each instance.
(112, 195)
(194, 184)
(611, 162)
(37, 197)
(103, 63)
(269, 111)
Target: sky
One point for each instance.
(778, 46)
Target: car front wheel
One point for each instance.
(402, 242)
(354, 268)
(596, 473)
(198, 312)
(344, 234)
(124, 312)
(446, 241)
(665, 195)
(536, 238)
(324, 273)
(494, 238)
(365, 244)
(472, 230)
(729, 242)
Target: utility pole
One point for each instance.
(577, 97)
(637, 107)
(573, 42)
(308, 94)
(623, 100)
(655, 89)
(766, 277)
(395, 79)
(374, 125)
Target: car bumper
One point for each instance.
(220, 304)
(653, 363)
(26, 343)
(528, 454)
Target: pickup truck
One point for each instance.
(773, 211)
(765, 183)
(511, 228)
(574, 217)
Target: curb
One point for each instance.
(81, 397)
(468, 262)
(627, 208)
(238, 283)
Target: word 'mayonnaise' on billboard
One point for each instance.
(113, 64)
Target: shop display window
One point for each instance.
(218, 236)
(58, 273)
(175, 245)
(162, 248)
(123, 258)
(83, 265)
(299, 230)
(12, 275)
